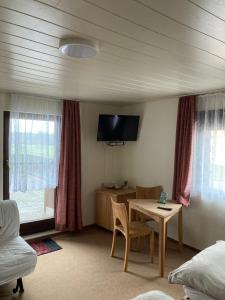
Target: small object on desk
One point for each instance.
(115, 186)
(163, 198)
(164, 208)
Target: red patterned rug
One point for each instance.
(45, 246)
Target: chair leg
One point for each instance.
(127, 249)
(19, 286)
(113, 242)
(140, 238)
(152, 245)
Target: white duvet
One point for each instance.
(17, 258)
(205, 272)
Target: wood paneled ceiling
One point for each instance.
(148, 48)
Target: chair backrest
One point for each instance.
(120, 214)
(148, 192)
(9, 219)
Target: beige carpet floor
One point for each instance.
(83, 270)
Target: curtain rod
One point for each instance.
(204, 93)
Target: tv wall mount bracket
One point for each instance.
(114, 144)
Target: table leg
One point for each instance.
(180, 229)
(129, 219)
(130, 212)
(162, 245)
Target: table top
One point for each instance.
(150, 206)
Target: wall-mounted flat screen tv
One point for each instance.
(116, 128)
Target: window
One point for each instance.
(34, 142)
(209, 149)
(218, 160)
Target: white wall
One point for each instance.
(100, 163)
(150, 161)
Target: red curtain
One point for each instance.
(183, 149)
(68, 210)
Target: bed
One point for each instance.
(193, 294)
(203, 277)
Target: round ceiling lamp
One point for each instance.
(78, 47)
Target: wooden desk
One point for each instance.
(149, 208)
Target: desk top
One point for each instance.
(149, 206)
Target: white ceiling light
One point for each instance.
(78, 47)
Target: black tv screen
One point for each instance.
(113, 128)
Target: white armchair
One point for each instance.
(17, 258)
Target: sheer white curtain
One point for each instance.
(208, 180)
(34, 144)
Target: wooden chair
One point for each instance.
(129, 230)
(147, 193)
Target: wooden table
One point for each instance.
(149, 208)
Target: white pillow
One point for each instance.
(153, 295)
(205, 272)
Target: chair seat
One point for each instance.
(136, 229)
